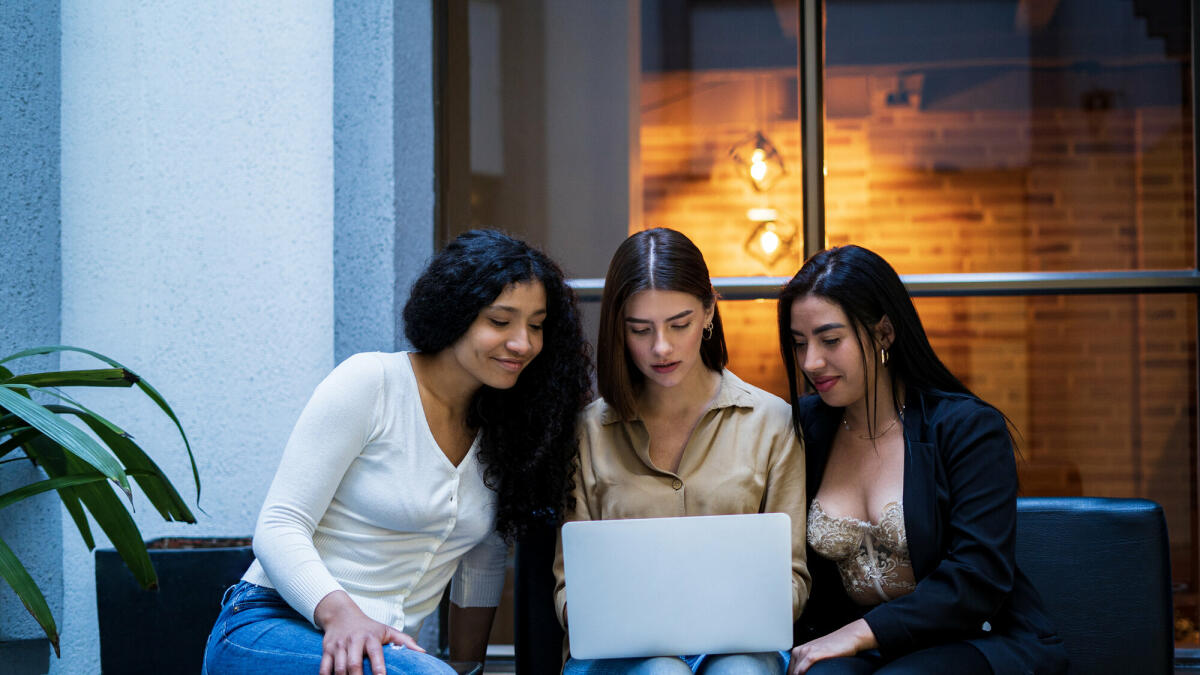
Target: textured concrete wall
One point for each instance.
(383, 168)
(413, 145)
(197, 237)
(364, 240)
(29, 276)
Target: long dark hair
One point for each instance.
(867, 289)
(657, 259)
(528, 443)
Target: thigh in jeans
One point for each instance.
(257, 632)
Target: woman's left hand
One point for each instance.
(845, 641)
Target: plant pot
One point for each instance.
(165, 630)
(25, 657)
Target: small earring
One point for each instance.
(883, 356)
(708, 329)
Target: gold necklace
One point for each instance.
(869, 437)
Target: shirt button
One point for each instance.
(676, 484)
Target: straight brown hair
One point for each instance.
(658, 259)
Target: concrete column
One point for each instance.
(197, 242)
(30, 286)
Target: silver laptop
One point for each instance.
(667, 586)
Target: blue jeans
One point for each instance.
(765, 663)
(258, 632)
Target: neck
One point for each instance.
(879, 407)
(447, 383)
(695, 391)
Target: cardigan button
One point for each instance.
(676, 484)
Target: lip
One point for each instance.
(664, 368)
(824, 384)
(511, 365)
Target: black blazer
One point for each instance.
(960, 515)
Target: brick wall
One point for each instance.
(1101, 388)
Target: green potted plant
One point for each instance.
(91, 472)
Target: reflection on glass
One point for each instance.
(1101, 390)
(718, 130)
(1010, 136)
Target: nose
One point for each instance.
(518, 342)
(662, 347)
(813, 360)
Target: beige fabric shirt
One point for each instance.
(743, 457)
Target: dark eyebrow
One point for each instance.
(680, 315)
(514, 310)
(821, 329)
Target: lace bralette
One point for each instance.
(872, 558)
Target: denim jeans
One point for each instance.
(765, 663)
(258, 632)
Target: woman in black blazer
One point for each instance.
(912, 487)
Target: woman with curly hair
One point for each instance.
(408, 469)
(914, 490)
(675, 433)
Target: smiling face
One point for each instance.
(663, 330)
(837, 359)
(505, 336)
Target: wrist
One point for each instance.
(864, 637)
(332, 607)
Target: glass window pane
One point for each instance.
(1006, 136)
(574, 124)
(1102, 390)
(719, 151)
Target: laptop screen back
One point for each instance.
(675, 586)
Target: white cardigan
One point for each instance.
(365, 501)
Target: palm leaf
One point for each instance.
(145, 472)
(145, 386)
(53, 461)
(113, 518)
(100, 377)
(27, 590)
(24, 492)
(65, 434)
(16, 438)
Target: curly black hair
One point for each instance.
(528, 444)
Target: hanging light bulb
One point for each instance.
(759, 159)
(769, 241)
(758, 165)
(772, 236)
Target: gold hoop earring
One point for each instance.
(883, 356)
(708, 330)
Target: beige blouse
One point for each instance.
(743, 457)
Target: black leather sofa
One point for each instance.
(1102, 567)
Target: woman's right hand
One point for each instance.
(350, 635)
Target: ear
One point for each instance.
(709, 312)
(885, 333)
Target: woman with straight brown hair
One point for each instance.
(674, 433)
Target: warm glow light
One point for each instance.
(758, 169)
(769, 241)
(762, 215)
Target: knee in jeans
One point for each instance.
(661, 665)
(743, 664)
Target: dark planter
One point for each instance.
(25, 657)
(164, 630)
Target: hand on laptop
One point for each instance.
(846, 641)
